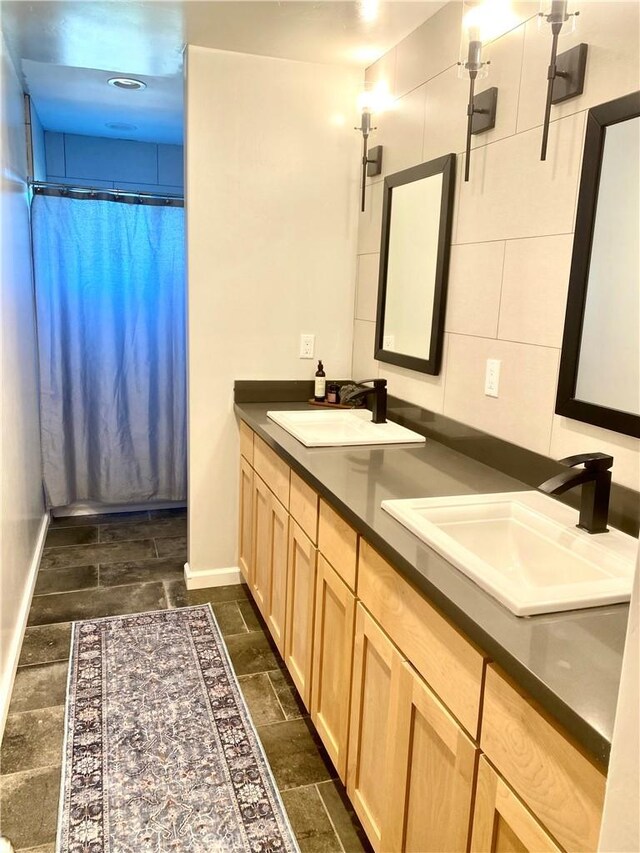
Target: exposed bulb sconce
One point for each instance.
(479, 22)
(565, 76)
(372, 100)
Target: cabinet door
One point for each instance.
(301, 588)
(276, 603)
(332, 659)
(262, 545)
(377, 668)
(433, 765)
(501, 822)
(245, 519)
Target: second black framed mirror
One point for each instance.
(417, 216)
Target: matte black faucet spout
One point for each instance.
(379, 401)
(595, 479)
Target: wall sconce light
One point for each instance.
(477, 27)
(565, 76)
(372, 100)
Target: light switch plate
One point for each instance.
(492, 377)
(307, 345)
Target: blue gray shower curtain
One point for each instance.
(110, 295)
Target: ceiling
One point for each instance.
(67, 49)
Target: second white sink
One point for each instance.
(341, 427)
(524, 549)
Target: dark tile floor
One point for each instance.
(133, 562)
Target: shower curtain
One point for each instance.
(110, 296)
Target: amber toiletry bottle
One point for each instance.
(321, 384)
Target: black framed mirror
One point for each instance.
(417, 216)
(599, 378)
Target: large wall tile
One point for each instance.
(528, 375)
(54, 153)
(367, 287)
(569, 437)
(534, 290)
(110, 159)
(473, 298)
(400, 131)
(370, 221)
(445, 124)
(429, 49)
(612, 31)
(418, 388)
(383, 71)
(364, 364)
(512, 194)
(170, 165)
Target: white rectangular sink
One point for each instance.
(524, 549)
(340, 427)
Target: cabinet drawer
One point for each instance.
(338, 541)
(303, 506)
(246, 442)
(561, 786)
(273, 470)
(448, 662)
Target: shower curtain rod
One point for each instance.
(103, 194)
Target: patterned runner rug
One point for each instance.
(160, 752)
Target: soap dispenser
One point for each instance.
(320, 384)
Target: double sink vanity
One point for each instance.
(396, 580)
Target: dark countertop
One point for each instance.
(569, 662)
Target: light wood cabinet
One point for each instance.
(501, 822)
(301, 588)
(332, 659)
(556, 780)
(432, 773)
(338, 541)
(273, 470)
(245, 520)
(246, 442)
(269, 562)
(303, 506)
(443, 656)
(377, 669)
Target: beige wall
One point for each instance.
(272, 195)
(513, 221)
(21, 504)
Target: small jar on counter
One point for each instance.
(333, 393)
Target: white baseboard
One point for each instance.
(202, 578)
(21, 624)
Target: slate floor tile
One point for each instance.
(81, 535)
(29, 806)
(310, 821)
(343, 817)
(288, 696)
(94, 603)
(172, 546)
(251, 615)
(44, 643)
(295, 754)
(180, 596)
(141, 571)
(67, 579)
(261, 699)
(156, 528)
(40, 686)
(251, 652)
(84, 555)
(229, 618)
(33, 739)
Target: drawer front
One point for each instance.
(560, 785)
(303, 506)
(273, 470)
(246, 442)
(448, 662)
(338, 542)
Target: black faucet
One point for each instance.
(379, 402)
(595, 479)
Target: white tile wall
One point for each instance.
(513, 221)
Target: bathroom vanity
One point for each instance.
(453, 723)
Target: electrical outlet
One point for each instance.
(492, 377)
(307, 345)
